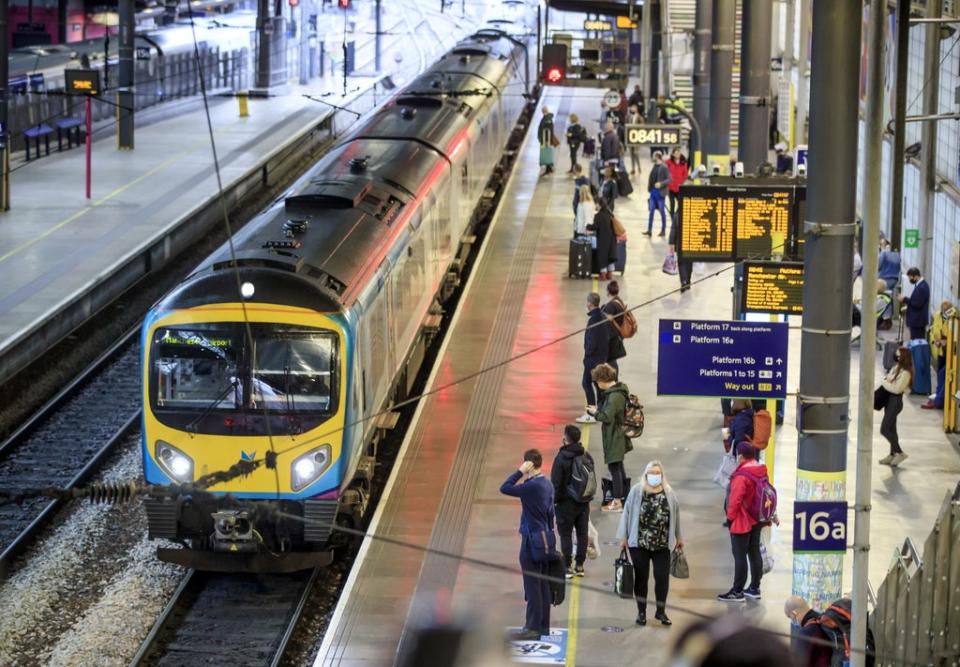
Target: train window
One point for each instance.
(293, 372)
(196, 368)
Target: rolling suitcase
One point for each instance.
(590, 147)
(624, 187)
(621, 262)
(581, 256)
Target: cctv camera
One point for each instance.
(801, 170)
(738, 170)
(716, 170)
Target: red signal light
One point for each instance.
(343, 4)
(555, 75)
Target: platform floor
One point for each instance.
(56, 245)
(468, 438)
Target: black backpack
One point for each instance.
(835, 624)
(582, 486)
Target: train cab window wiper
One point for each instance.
(233, 386)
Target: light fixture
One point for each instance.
(307, 468)
(175, 463)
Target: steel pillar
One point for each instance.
(803, 69)
(928, 132)
(721, 75)
(125, 75)
(4, 125)
(823, 418)
(899, 124)
(702, 40)
(377, 41)
(755, 83)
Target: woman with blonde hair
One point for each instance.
(650, 529)
(585, 210)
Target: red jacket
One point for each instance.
(678, 173)
(742, 489)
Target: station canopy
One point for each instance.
(601, 7)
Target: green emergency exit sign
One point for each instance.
(911, 238)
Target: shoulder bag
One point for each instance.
(678, 564)
(623, 575)
(543, 546)
(880, 398)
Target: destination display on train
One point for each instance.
(772, 287)
(725, 223)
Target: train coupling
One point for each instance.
(233, 532)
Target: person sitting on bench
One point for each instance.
(883, 307)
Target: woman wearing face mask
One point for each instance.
(897, 382)
(650, 528)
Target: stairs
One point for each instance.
(680, 19)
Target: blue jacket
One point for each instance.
(889, 265)
(596, 340)
(536, 501)
(741, 427)
(918, 305)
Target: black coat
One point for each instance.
(606, 238)
(545, 130)
(614, 308)
(562, 470)
(596, 340)
(609, 190)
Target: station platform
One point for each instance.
(64, 256)
(465, 440)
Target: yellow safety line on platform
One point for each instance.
(90, 207)
(573, 613)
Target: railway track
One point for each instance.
(228, 619)
(67, 439)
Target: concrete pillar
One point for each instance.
(899, 123)
(803, 80)
(721, 75)
(755, 83)
(125, 75)
(702, 40)
(928, 134)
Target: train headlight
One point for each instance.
(308, 467)
(174, 462)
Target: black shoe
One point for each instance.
(525, 635)
(662, 617)
(684, 288)
(642, 618)
(663, 233)
(648, 233)
(752, 593)
(731, 596)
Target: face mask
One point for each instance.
(654, 480)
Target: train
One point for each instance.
(292, 342)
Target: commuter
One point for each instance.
(573, 511)
(578, 180)
(728, 641)
(679, 171)
(881, 307)
(586, 208)
(609, 190)
(604, 226)
(650, 528)
(616, 444)
(622, 106)
(744, 527)
(548, 140)
(741, 424)
(596, 347)
(634, 118)
(888, 268)
(895, 383)
(938, 343)
(684, 266)
(784, 161)
(536, 518)
(918, 305)
(576, 135)
(636, 99)
(814, 653)
(613, 309)
(610, 148)
(657, 185)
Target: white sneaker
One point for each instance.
(886, 460)
(586, 418)
(898, 459)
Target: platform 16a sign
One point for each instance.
(820, 526)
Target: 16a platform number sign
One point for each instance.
(820, 527)
(653, 135)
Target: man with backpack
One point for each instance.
(752, 504)
(832, 625)
(574, 486)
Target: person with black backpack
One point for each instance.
(574, 480)
(826, 635)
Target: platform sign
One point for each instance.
(653, 135)
(726, 223)
(772, 287)
(736, 359)
(82, 81)
(548, 650)
(819, 526)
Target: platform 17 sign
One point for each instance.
(734, 359)
(819, 526)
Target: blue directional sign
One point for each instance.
(819, 526)
(733, 359)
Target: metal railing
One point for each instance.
(916, 619)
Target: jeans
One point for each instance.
(619, 478)
(641, 559)
(941, 380)
(674, 199)
(746, 547)
(536, 591)
(573, 156)
(685, 271)
(888, 427)
(656, 203)
(589, 389)
(634, 160)
(573, 516)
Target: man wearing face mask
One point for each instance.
(918, 305)
(806, 620)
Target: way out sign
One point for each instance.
(820, 527)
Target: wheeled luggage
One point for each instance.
(581, 258)
(546, 155)
(624, 187)
(590, 147)
(621, 263)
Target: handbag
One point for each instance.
(623, 576)
(618, 228)
(728, 466)
(678, 564)
(543, 546)
(554, 141)
(670, 264)
(768, 560)
(880, 398)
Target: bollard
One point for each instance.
(244, 108)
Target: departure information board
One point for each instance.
(772, 287)
(725, 223)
